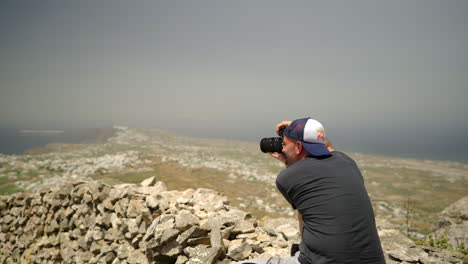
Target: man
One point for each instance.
(327, 190)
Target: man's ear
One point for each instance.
(298, 147)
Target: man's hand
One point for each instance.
(279, 156)
(282, 124)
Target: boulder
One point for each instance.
(148, 182)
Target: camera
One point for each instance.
(273, 144)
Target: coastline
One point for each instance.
(39, 132)
(24, 142)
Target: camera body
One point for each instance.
(273, 144)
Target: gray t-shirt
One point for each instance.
(339, 224)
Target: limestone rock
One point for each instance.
(148, 182)
(136, 208)
(239, 250)
(289, 232)
(185, 219)
(243, 226)
(137, 257)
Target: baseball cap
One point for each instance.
(311, 134)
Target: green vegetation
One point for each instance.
(441, 243)
(10, 189)
(3, 180)
(462, 249)
(16, 171)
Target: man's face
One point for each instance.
(289, 150)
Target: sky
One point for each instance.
(382, 76)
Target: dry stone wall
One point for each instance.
(89, 222)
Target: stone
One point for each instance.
(152, 202)
(132, 225)
(151, 229)
(263, 236)
(52, 227)
(125, 186)
(185, 219)
(157, 188)
(136, 208)
(171, 249)
(257, 248)
(163, 204)
(393, 239)
(289, 232)
(105, 248)
(181, 259)
(280, 242)
(112, 234)
(137, 257)
(182, 239)
(201, 254)
(107, 204)
(95, 248)
(124, 250)
(115, 221)
(216, 239)
(209, 200)
(432, 260)
(109, 257)
(408, 254)
(247, 236)
(97, 234)
(272, 252)
(8, 219)
(205, 240)
(239, 250)
(148, 182)
(142, 228)
(168, 234)
(242, 227)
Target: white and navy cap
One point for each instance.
(311, 134)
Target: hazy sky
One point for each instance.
(380, 75)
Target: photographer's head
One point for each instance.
(302, 138)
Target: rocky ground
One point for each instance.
(408, 193)
(89, 222)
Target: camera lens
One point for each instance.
(273, 144)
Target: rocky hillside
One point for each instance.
(453, 225)
(409, 194)
(399, 188)
(90, 222)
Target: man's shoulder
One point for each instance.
(297, 169)
(343, 156)
(299, 166)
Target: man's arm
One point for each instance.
(280, 156)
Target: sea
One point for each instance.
(13, 143)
